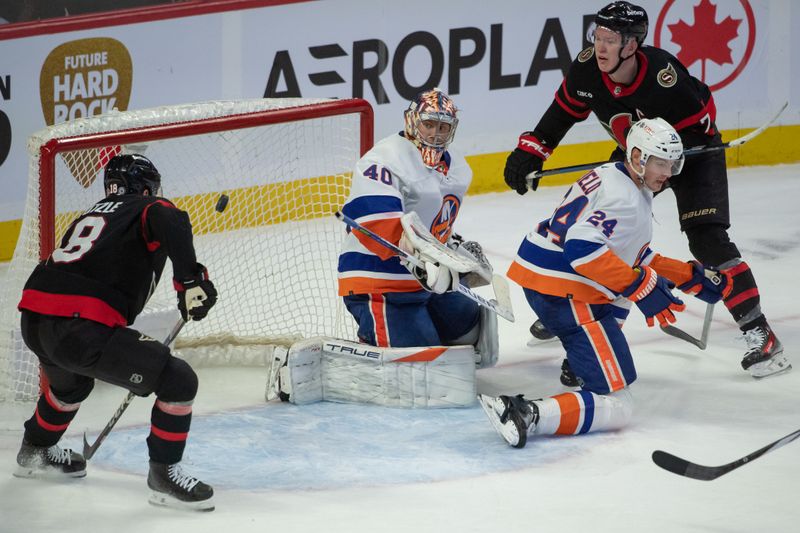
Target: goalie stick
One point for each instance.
(501, 305)
(691, 151)
(685, 468)
(89, 450)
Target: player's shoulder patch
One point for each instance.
(586, 54)
(668, 76)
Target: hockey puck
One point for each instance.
(222, 203)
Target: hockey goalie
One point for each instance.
(406, 279)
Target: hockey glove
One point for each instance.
(474, 250)
(431, 275)
(652, 294)
(707, 283)
(529, 156)
(196, 295)
(435, 278)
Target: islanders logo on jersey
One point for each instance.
(442, 225)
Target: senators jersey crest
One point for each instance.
(667, 77)
(587, 53)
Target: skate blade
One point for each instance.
(509, 431)
(533, 342)
(159, 499)
(50, 473)
(778, 364)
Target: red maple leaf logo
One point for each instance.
(706, 40)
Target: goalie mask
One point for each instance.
(431, 124)
(655, 137)
(131, 174)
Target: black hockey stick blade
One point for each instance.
(685, 468)
(702, 342)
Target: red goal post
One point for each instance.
(286, 166)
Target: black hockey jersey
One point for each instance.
(111, 259)
(662, 88)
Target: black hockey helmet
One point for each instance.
(625, 18)
(131, 174)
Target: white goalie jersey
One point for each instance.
(389, 181)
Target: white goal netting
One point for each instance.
(285, 166)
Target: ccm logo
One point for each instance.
(360, 352)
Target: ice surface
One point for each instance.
(343, 468)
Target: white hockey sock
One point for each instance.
(578, 412)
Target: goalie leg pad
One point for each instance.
(488, 345)
(485, 339)
(343, 371)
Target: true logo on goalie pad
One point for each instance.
(352, 350)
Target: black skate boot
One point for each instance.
(173, 488)
(539, 331)
(49, 462)
(513, 417)
(764, 355)
(568, 377)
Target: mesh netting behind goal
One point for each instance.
(284, 165)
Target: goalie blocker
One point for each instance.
(327, 369)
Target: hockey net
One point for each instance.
(285, 166)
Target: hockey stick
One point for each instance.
(679, 333)
(685, 468)
(89, 450)
(500, 286)
(691, 151)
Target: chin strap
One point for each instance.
(621, 59)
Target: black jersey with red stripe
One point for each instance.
(662, 88)
(111, 259)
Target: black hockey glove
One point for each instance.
(529, 156)
(196, 295)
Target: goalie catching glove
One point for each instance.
(652, 294)
(472, 249)
(196, 295)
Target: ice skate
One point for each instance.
(511, 416)
(172, 487)
(539, 331)
(49, 462)
(764, 355)
(568, 377)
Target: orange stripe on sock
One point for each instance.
(570, 413)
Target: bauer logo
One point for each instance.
(714, 40)
(81, 79)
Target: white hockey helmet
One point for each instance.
(433, 105)
(655, 137)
